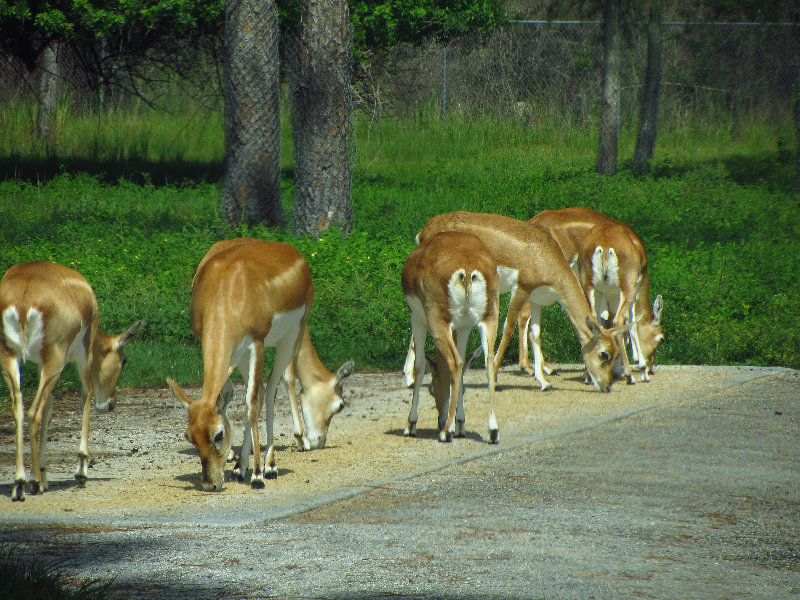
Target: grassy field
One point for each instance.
(130, 201)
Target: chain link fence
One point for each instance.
(528, 70)
(535, 70)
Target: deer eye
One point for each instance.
(604, 356)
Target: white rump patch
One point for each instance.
(26, 344)
(612, 274)
(468, 298)
(605, 272)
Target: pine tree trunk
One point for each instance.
(609, 117)
(648, 124)
(251, 190)
(321, 111)
(49, 87)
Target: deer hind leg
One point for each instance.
(408, 366)
(443, 339)
(11, 374)
(243, 460)
(461, 339)
(285, 351)
(488, 331)
(419, 330)
(38, 415)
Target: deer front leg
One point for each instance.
(254, 399)
(523, 324)
(539, 366)
(289, 380)
(518, 298)
(619, 320)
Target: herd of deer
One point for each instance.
(248, 294)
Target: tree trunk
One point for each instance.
(648, 124)
(251, 184)
(796, 100)
(609, 118)
(49, 87)
(321, 111)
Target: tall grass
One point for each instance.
(129, 199)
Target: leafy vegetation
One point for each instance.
(22, 578)
(717, 214)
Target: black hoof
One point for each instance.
(494, 437)
(271, 475)
(257, 484)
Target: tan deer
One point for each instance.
(248, 294)
(49, 316)
(531, 264)
(623, 279)
(451, 285)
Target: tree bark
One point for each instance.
(49, 88)
(796, 100)
(251, 190)
(648, 124)
(609, 117)
(321, 112)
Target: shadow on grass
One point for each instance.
(135, 170)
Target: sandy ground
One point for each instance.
(141, 463)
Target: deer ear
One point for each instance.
(225, 396)
(593, 328)
(126, 337)
(179, 393)
(472, 357)
(344, 371)
(658, 306)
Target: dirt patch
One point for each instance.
(140, 460)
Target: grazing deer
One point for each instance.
(49, 316)
(248, 294)
(620, 269)
(451, 285)
(531, 265)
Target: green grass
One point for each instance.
(25, 578)
(134, 209)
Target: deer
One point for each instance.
(451, 285)
(50, 316)
(580, 232)
(532, 267)
(249, 294)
